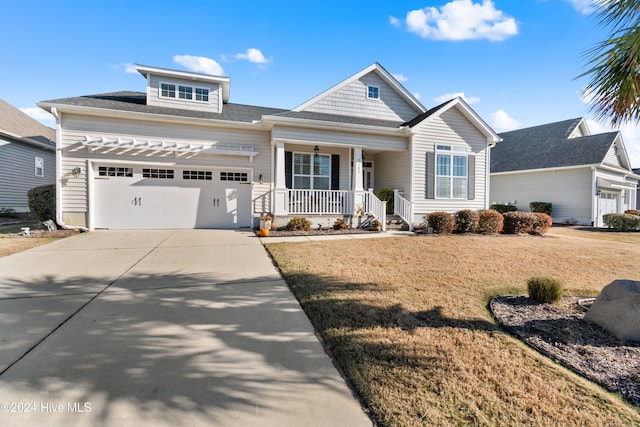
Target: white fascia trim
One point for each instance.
(135, 115)
(559, 168)
(470, 114)
(321, 124)
(627, 173)
(275, 141)
(223, 81)
(382, 73)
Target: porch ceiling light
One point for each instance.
(316, 149)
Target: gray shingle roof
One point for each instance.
(547, 146)
(137, 102)
(15, 122)
(339, 118)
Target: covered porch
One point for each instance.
(320, 180)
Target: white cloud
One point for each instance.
(395, 21)
(501, 121)
(585, 7)
(462, 20)
(199, 64)
(417, 95)
(400, 77)
(448, 96)
(40, 115)
(130, 68)
(254, 55)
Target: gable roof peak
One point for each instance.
(377, 68)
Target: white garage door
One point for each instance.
(153, 197)
(607, 203)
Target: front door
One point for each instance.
(367, 170)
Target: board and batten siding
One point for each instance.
(454, 129)
(570, 191)
(340, 138)
(351, 100)
(74, 189)
(17, 172)
(153, 95)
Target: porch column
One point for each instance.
(280, 205)
(357, 181)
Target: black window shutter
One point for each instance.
(471, 169)
(288, 169)
(335, 172)
(430, 185)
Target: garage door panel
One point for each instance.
(171, 202)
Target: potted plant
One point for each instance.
(375, 225)
(265, 225)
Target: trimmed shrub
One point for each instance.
(541, 224)
(542, 207)
(502, 208)
(490, 222)
(298, 224)
(386, 194)
(518, 222)
(621, 222)
(42, 202)
(466, 221)
(544, 289)
(441, 222)
(632, 212)
(341, 224)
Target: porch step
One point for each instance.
(395, 222)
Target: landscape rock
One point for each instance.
(617, 309)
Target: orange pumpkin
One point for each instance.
(264, 232)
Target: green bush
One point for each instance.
(42, 202)
(621, 222)
(541, 224)
(341, 224)
(490, 222)
(543, 207)
(544, 289)
(441, 222)
(466, 221)
(518, 222)
(502, 208)
(298, 224)
(386, 194)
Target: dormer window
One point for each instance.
(185, 92)
(202, 94)
(168, 90)
(373, 92)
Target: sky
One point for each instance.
(516, 62)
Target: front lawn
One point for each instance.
(406, 321)
(12, 242)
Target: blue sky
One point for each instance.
(515, 61)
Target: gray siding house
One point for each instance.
(27, 157)
(584, 176)
(181, 155)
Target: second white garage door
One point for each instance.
(149, 198)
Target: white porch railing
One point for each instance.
(376, 207)
(319, 202)
(403, 208)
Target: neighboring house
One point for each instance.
(27, 157)
(584, 176)
(182, 156)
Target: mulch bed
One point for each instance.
(560, 332)
(321, 232)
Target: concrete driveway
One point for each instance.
(177, 327)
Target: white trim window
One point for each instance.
(373, 92)
(39, 166)
(306, 177)
(184, 91)
(451, 172)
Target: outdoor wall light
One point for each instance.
(316, 149)
(260, 179)
(76, 171)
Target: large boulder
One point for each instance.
(617, 309)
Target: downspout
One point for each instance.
(487, 178)
(61, 224)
